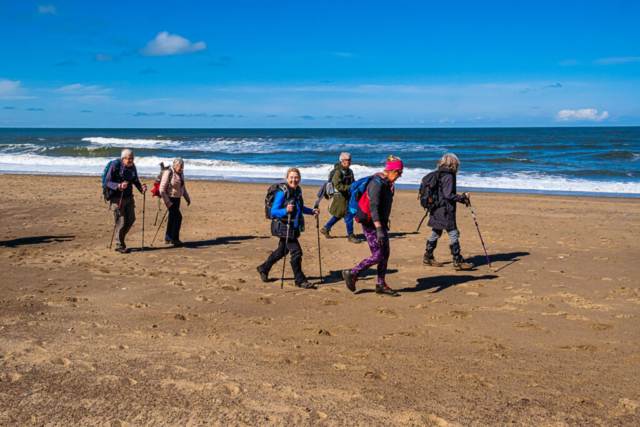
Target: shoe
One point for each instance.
(431, 262)
(350, 279)
(461, 265)
(264, 275)
(306, 285)
(325, 232)
(354, 239)
(176, 243)
(384, 289)
(167, 239)
(123, 250)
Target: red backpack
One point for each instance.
(155, 191)
(363, 216)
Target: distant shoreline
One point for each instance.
(400, 186)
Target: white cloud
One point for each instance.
(344, 54)
(12, 90)
(171, 44)
(582, 115)
(47, 9)
(80, 89)
(618, 60)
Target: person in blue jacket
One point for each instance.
(288, 201)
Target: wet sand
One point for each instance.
(549, 335)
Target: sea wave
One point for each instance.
(231, 170)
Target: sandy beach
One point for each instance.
(548, 335)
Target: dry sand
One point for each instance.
(182, 336)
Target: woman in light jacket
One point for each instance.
(172, 189)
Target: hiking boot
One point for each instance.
(384, 289)
(306, 285)
(350, 279)
(264, 275)
(462, 265)
(176, 243)
(167, 239)
(325, 232)
(123, 250)
(354, 239)
(431, 262)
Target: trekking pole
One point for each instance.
(286, 242)
(116, 221)
(474, 220)
(319, 253)
(159, 227)
(423, 218)
(144, 202)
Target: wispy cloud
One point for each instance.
(217, 115)
(617, 60)
(569, 62)
(103, 57)
(557, 85)
(190, 115)
(308, 117)
(9, 108)
(35, 109)
(11, 90)
(148, 71)
(49, 9)
(224, 61)
(64, 63)
(142, 114)
(582, 115)
(166, 44)
(86, 111)
(80, 89)
(343, 54)
(527, 90)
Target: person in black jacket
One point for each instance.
(443, 216)
(119, 179)
(380, 192)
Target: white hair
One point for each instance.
(343, 156)
(125, 153)
(178, 161)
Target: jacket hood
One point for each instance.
(442, 169)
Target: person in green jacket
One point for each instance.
(342, 180)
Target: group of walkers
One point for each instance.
(370, 204)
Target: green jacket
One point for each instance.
(342, 180)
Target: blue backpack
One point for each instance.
(357, 190)
(107, 193)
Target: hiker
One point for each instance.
(119, 177)
(172, 189)
(342, 180)
(288, 201)
(443, 216)
(380, 192)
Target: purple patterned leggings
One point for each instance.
(379, 253)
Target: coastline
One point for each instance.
(313, 182)
(547, 335)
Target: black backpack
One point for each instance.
(107, 193)
(428, 193)
(327, 190)
(271, 194)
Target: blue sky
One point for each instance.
(327, 64)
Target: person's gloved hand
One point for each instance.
(381, 237)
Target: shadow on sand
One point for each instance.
(229, 240)
(440, 283)
(479, 260)
(36, 240)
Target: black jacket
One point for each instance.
(116, 176)
(380, 200)
(444, 216)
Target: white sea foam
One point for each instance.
(209, 168)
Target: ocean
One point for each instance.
(592, 161)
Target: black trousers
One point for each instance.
(293, 247)
(175, 219)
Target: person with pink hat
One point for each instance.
(380, 192)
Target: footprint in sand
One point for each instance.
(231, 288)
(458, 314)
(375, 374)
(600, 327)
(263, 300)
(388, 312)
(330, 302)
(529, 326)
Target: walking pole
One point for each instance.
(159, 227)
(286, 242)
(144, 202)
(423, 218)
(116, 221)
(319, 253)
(474, 220)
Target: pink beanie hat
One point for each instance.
(394, 166)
